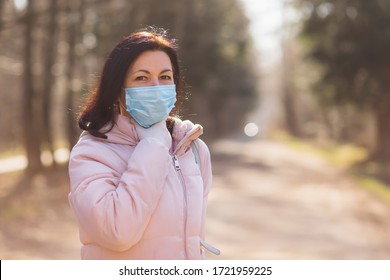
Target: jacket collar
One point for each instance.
(184, 132)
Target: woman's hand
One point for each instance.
(157, 131)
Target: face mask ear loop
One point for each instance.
(121, 107)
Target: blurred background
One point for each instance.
(293, 95)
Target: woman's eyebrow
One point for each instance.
(148, 72)
(141, 70)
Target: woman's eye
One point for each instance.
(141, 78)
(166, 77)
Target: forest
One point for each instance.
(305, 140)
(52, 52)
(334, 80)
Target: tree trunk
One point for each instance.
(74, 32)
(50, 54)
(289, 95)
(1, 14)
(382, 152)
(181, 15)
(30, 132)
(290, 112)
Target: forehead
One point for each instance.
(152, 60)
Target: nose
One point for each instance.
(155, 81)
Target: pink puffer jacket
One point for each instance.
(137, 200)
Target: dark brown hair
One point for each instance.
(100, 108)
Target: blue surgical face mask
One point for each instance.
(150, 105)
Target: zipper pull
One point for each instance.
(176, 162)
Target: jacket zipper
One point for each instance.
(183, 183)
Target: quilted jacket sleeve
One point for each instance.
(114, 209)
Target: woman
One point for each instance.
(139, 178)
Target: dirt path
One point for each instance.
(267, 202)
(270, 202)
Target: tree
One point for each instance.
(75, 21)
(1, 13)
(218, 52)
(215, 49)
(351, 41)
(31, 129)
(41, 25)
(49, 46)
(65, 43)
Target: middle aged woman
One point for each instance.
(139, 177)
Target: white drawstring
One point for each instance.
(210, 248)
